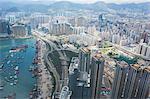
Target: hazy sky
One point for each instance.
(109, 1)
(88, 1)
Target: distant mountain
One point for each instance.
(101, 6)
(144, 7)
(13, 9)
(98, 6)
(69, 5)
(10, 6)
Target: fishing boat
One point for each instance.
(15, 76)
(11, 77)
(6, 79)
(16, 72)
(8, 62)
(1, 85)
(1, 66)
(11, 55)
(11, 84)
(31, 68)
(12, 96)
(16, 68)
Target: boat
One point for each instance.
(16, 72)
(31, 68)
(18, 48)
(11, 77)
(11, 84)
(11, 55)
(1, 66)
(15, 76)
(16, 68)
(1, 85)
(6, 79)
(12, 96)
(15, 83)
(8, 62)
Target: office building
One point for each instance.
(97, 69)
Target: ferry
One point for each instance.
(18, 48)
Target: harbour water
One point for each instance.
(14, 74)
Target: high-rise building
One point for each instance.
(102, 22)
(131, 82)
(137, 84)
(19, 31)
(11, 18)
(143, 49)
(144, 88)
(78, 30)
(97, 69)
(4, 28)
(84, 60)
(61, 28)
(119, 80)
(81, 21)
(148, 52)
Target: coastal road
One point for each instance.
(48, 62)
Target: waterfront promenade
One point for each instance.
(44, 80)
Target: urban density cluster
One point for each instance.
(79, 53)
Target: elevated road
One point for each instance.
(48, 62)
(129, 52)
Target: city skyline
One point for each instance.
(83, 49)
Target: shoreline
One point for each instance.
(6, 38)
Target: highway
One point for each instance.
(129, 52)
(50, 65)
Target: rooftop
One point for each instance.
(122, 64)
